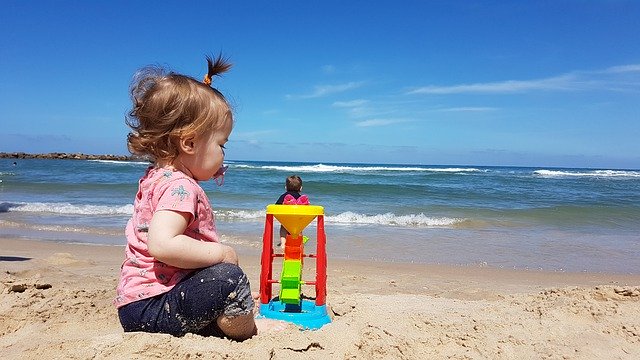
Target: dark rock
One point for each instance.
(72, 156)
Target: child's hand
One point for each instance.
(230, 256)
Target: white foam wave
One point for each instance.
(343, 168)
(62, 228)
(120, 162)
(589, 173)
(239, 214)
(454, 170)
(345, 218)
(412, 220)
(351, 218)
(66, 208)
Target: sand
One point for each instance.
(56, 303)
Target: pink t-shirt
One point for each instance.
(142, 276)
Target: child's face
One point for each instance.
(208, 154)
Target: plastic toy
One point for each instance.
(290, 304)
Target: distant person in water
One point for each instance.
(292, 195)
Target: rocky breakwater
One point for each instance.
(72, 156)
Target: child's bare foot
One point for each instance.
(256, 300)
(270, 325)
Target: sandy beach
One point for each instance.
(56, 303)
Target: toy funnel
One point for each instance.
(295, 218)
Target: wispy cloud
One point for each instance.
(380, 122)
(468, 109)
(607, 79)
(270, 112)
(328, 69)
(253, 135)
(358, 108)
(350, 103)
(624, 69)
(324, 90)
(563, 82)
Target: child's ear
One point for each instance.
(187, 144)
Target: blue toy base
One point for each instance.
(308, 316)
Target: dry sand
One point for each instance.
(55, 303)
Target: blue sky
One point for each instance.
(534, 83)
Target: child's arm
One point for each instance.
(168, 244)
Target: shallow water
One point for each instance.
(525, 218)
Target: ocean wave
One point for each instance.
(351, 218)
(66, 208)
(588, 173)
(322, 168)
(411, 220)
(120, 162)
(230, 215)
(454, 170)
(61, 228)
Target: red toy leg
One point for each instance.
(321, 264)
(266, 261)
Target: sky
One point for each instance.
(506, 83)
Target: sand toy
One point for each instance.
(291, 305)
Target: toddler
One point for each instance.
(292, 195)
(177, 277)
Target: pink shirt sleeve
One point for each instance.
(178, 195)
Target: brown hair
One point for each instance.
(169, 106)
(293, 183)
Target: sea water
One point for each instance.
(558, 219)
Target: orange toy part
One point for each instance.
(293, 248)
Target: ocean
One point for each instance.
(552, 219)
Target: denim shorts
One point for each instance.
(193, 305)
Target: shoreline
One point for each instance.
(520, 280)
(251, 254)
(57, 303)
(443, 247)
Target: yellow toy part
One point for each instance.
(295, 218)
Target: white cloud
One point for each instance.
(563, 82)
(324, 90)
(328, 69)
(252, 135)
(351, 103)
(623, 69)
(609, 79)
(379, 122)
(468, 109)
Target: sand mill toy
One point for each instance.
(290, 305)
